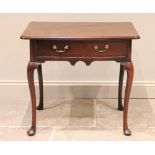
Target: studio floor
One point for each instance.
(78, 119)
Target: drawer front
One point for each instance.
(80, 49)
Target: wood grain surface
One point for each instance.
(80, 30)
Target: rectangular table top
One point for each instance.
(80, 30)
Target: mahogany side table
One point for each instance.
(80, 41)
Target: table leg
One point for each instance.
(120, 87)
(30, 75)
(128, 66)
(40, 77)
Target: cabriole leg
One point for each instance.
(40, 77)
(128, 67)
(30, 76)
(120, 87)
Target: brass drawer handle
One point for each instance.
(96, 47)
(55, 48)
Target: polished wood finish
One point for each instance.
(40, 77)
(75, 49)
(128, 66)
(120, 87)
(30, 76)
(119, 50)
(85, 42)
(80, 30)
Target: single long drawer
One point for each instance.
(80, 49)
